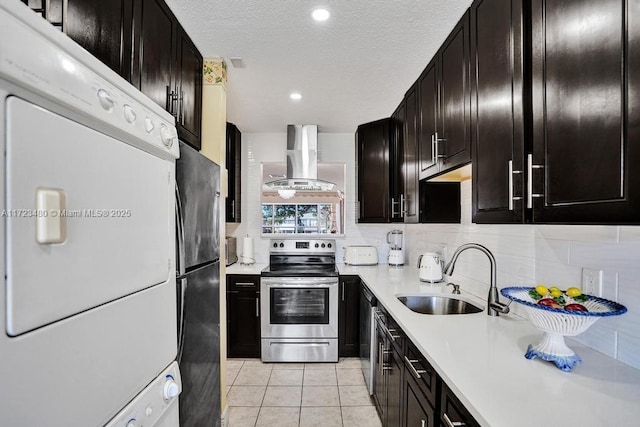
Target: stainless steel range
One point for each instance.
(299, 302)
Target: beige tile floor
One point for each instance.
(298, 394)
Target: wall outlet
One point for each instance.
(592, 281)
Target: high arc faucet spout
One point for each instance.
(494, 306)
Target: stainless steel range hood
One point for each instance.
(302, 162)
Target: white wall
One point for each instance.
(525, 254)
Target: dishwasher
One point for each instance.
(367, 335)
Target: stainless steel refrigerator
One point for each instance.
(198, 287)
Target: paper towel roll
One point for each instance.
(247, 251)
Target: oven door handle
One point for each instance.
(298, 283)
(301, 285)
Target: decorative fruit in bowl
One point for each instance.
(568, 314)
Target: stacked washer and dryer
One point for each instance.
(88, 254)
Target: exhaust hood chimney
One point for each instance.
(302, 161)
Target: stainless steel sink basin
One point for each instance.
(438, 304)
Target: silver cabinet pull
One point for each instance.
(512, 198)
(530, 193)
(245, 284)
(257, 307)
(433, 148)
(342, 291)
(437, 144)
(450, 423)
(233, 209)
(423, 423)
(416, 372)
(391, 332)
(403, 210)
(393, 207)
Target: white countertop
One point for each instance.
(482, 360)
(238, 268)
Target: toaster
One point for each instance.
(360, 255)
(231, 257)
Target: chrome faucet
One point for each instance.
(494, 306)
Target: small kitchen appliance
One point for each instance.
(396, 253)
(360, 255)
(430, 267)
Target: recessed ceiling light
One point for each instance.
(320, 14)
(296, 96)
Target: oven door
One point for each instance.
(299, 307)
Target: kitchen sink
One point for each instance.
(438, 304)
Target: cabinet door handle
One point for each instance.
(391, 332)
(512, 198)
(423, 423)
(416, 372)
(181, 107)
(245, 284)
(530, 193)
(450, 423)
(433, 148)
(257, 307)
(233, 209)
(393, 207)
(403, 210)
(437, 145)
(342, 290)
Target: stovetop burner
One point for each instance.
(301, 258)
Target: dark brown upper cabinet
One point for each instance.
(497, 111)
(586, 112)
(373, 145)
(154, 52)
(189, 90)
(233, 163)
(102, 28)
(167, 67)
(444, 99)
(408, 132)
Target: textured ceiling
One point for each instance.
(351, 69)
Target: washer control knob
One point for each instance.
(129, 113)
(148, 125)
(106, 101)
(132, 423)
(170, 390)
(166, 136)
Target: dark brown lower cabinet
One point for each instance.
(389, 370)
(243, 316)
(417, 410)
(349, 316)
(452, 412)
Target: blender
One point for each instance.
(396, 253)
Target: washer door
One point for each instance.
(88, 218)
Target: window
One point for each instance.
(299, 218)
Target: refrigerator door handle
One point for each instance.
(182, 287)
(181, 269)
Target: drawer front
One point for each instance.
(453, 411)
(240, 282)
(418, 367)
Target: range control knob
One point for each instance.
(129, 113)
(132, 423)
(322, 245)
(281, 245)
(317, 245)
(328, 245)
(170, 389)
(275, 245)
(105, 99)
(148, 125)
(166, 136)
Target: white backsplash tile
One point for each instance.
(526, 254)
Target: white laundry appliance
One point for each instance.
(87, 205)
